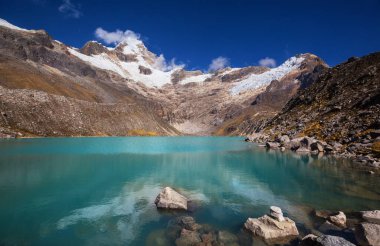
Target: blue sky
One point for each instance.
(195, 32)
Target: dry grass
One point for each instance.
(313, 129)
(19, 75)
(141, 132)
(376, 148)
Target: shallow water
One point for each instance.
(92, 191)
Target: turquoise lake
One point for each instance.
(101, 191)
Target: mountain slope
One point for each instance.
(167, 98)
(32, 60)
(268, 103)
(342, 106)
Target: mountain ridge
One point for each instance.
(187, 102)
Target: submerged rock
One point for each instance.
(188, 238)
(157, 238)
(368, 234)
(171, 199)
(227, 238)
(371, 216)
(322, 213)
(188, 223)
(324, 240)
(269, 228)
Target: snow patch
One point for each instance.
(9, 25)
(197, 78)
(128, 70)
(156, 79)
(255, 81)
(101, 61)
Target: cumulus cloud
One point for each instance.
(133, 40)
(115, 37)
(163, 65)
(267, 62)
(70, 9)
(218, 63)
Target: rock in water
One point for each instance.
(188, 238)
(372, 216)
(302, 150)
(368, 234)
(325, 240)
(269, 229)
(272, 145)
(169, 198)
(322, 213)
(227, 238)
(317, 146)
(276, 213)
(339, 219)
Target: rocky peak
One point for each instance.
(93, 48)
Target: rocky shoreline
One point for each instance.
(332, 228)
(309, 145)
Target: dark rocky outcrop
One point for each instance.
(341, 108)
(93, 48)
(145, 70)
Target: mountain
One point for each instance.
(342, 107)
(51, 89)
(268, 103)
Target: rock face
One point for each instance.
(325, 240)
(271, 229)
(368, 234)
(145, 70)
(170, 199)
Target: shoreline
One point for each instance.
(314, 147)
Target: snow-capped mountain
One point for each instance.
(161, 92)
(255, 81)
(131, 60)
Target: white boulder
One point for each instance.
(171, 199)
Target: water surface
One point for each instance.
(100, 191)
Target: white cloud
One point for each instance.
(163, 65)
(70, 9)
(116, 36)
(218, 63)
(267, 62)
(133, 40)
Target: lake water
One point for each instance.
(101, 191)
